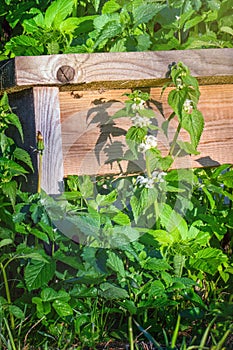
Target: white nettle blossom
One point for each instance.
(179, 84)
(140, 121)
(149, 142)
(138, 104)
(149, 182)
(188, 106)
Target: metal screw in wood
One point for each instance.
(65, 74)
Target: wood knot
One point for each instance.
(65, 74)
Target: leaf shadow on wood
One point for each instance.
(207, 162)
(108, 130)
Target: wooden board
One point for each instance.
(87, 145)
(114, 70)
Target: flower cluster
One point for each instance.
(188, 106)
(140, 121)
(149, 142)
(149, 182)
(138, 104)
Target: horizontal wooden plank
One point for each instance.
(114, 70)
(88, 143)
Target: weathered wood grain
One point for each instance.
(47, 121)
(116, 70)
(87, 143)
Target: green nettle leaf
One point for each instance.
(194, 124)
(57, 12)
(110, 291)
(208, 260)
(14, 120)
(145, 12)
(227, 179)
(70, 24)
(6, 241)
(187, 147)
(128, 305)
(4, 101)
(115, 263)
(144, 42)
(176, 99)
(122, 236)
(171, 220)
(53, 48)
(62, 308)
(178, 263)
(109, 31)
(23, 156)
(40, 234)
(10, 189)
(121, 219)
(86, 186)
(103, 200)
(48, 294)
(16, 311)
(156, 265)
(38, 273)
(24, 45)
(110, 7)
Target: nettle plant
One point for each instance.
(117, 253)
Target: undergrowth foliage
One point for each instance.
(139, 259)
(71, 26)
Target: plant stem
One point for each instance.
(175, 334)
(8, 295)
(10, 335)
(39, 173)
(173, 144)
(40, 150)
(130, 328)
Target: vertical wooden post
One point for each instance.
(39, 110)
(47, 121)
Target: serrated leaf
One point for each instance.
(110, 7)
(57, 12)
(176, 99)
(13, 119)
(16, 311)
(121, 219)
(48, 294)
(70, 24)
(178, 263)
(143, 42)
(194, 125)
(38, 273)
(110, 291)
(103, 200)
(109, 31)
(208, 260)
(10, 189)
(23, 156)
(53, 48)
(40, 234)
(187, 147)
(145, 12)
(171, 220)
(146, 112)
(123, 235)
(62, 308)
(156, 265)
(115, 263)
